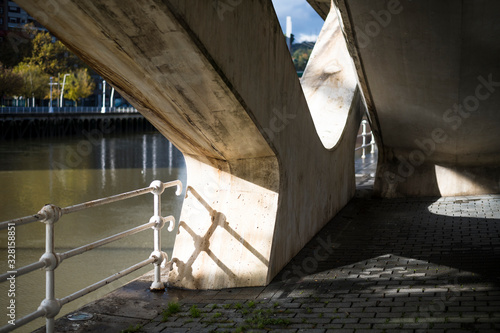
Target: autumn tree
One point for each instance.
(79, 85)
(300, 55)
(43, 56)
(35, 81)
(52, 56)
(10, 83)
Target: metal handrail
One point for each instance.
(363, 135)
(50, 260)
(65, 109)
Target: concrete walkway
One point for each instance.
(401, 265)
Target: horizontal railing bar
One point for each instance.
(104, 241)
(114, 198)
(24, 320)
(23, 270)
(366, 134)
(106, 281)
(93, 203)
(364, 146)
(21, 221)
(173, 183)
(107, 200)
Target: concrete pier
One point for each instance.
(219, 83)
(431, 80)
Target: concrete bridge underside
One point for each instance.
(430, 76)
(269, 158)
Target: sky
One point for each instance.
(306, 23)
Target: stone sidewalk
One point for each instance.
(399, 265)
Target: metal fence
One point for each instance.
(66, 109)
(50, 260)
(364, 135)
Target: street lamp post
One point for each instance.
(51, 109)
(111, 99)
(103, 109)
(62, 90)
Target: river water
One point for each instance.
(68, 171)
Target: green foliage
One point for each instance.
(79, 85)
(195, 312)
(259, 318)
(300, 55)
(132, 329)
(52, 55)
(34, 57)
(11, 83)
(172, 308)
(262, 319)
(35, 81)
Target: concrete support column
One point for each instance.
(216, 78)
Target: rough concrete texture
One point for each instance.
(329, 97)
(381, 265)
(430, 75)
(322, 7)
(217, 80)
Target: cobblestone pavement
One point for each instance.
(420, 265)
(399, 265)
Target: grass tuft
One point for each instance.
(172, 308)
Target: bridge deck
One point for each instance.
(381, 265)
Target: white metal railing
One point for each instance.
(65, 109)
(50, 260)
(363, 135)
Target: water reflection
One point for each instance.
(70, 171)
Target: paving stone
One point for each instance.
(301, 326)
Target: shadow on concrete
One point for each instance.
(202, 242)
(438, 233)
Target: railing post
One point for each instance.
(363, 123)
(372, 143)
(160, 256)
(50, 304)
